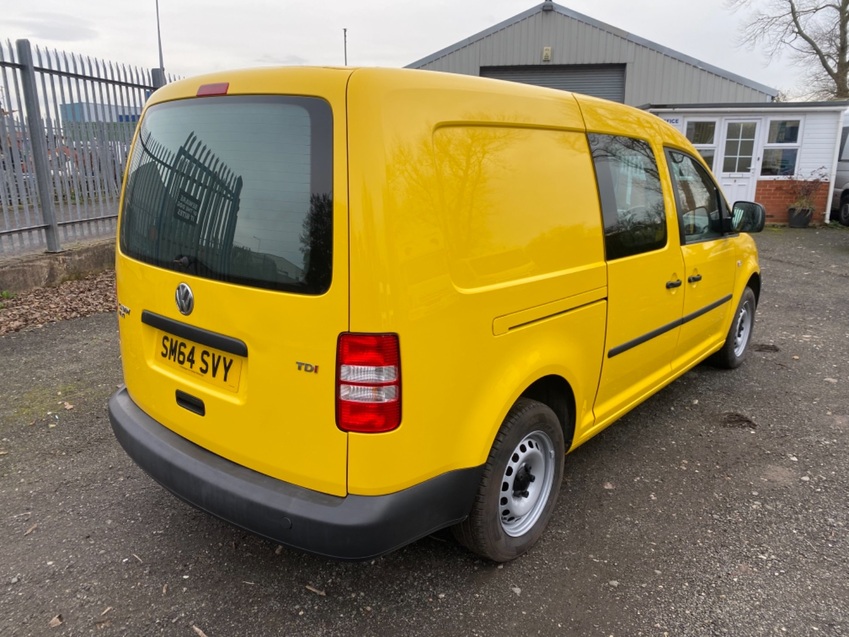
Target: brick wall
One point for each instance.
(777, 195)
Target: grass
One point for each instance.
(37, 401)
(5, 295)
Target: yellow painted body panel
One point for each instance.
(635, 308)
(716, 263)
(470, 215)
(466, 220)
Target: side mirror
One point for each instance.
(747, 216)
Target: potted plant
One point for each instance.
(804, 189)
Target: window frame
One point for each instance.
(611, 213)
(767, 146)
(699, 147)
(722, 205)
(740, 140)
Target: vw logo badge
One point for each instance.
(185, 299)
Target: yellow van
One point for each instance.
(360, 305)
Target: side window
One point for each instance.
(631, 196)
(844, 147)
(782, 148)
(697, 198)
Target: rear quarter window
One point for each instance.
(236, 189)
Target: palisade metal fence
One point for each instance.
(66, 123)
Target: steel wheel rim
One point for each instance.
(526, 483)
(742, 330)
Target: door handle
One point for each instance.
(673, 284)
(694, 279)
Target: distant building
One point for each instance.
(759, 152)
(90, 112)
(758, 148)
(550, 45)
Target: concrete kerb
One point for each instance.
(26, 272)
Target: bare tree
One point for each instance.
(816, 33)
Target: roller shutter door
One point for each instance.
(599, 80)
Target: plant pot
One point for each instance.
(799, 217)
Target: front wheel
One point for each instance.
(843, 214)
(520, 484)
(733, 352)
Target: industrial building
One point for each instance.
(757, 147)
(550, 45)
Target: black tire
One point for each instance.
(843, 214)
(523, 471)
(736, 346)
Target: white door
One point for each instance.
(739, 159)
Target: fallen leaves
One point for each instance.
(199, 632)
(56, 621)
(31, 529)
(72, 299)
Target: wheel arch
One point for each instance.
(754, 282)
(556, 393)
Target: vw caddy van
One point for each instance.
(357, 306)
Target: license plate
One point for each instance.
(212, 365)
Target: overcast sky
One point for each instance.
(219, 34)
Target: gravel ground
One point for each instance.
(718, 508)
(72, 299)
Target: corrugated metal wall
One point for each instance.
(653, 74)
(600, 80)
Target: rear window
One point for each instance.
(235, 189)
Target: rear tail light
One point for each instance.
(368, 382)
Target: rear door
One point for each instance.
(645, 271)
(233, 272)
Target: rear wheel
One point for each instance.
(733, 352)
(520, 484)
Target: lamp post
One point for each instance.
(158, 75)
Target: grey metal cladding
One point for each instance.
(654, 73)
(600, 80)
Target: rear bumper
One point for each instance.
(348, 528)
